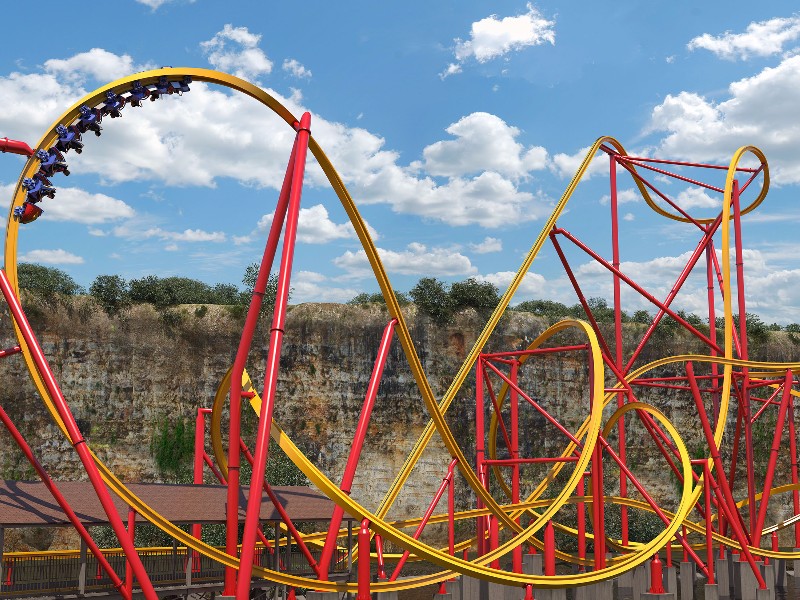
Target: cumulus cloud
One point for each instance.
(417, 259)
(488, 245)
(314, 226)
(51, 257)
(492, 37)
(484, 142)
(762, 38)
(295, 69)
(133, 230)
(235, 50)
(310, 286)
(566, 165)
(761, 110)
(79, 206)
(623, 196)
(156, 4)
(97, 63)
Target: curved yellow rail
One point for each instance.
(588, 432)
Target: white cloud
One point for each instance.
(761, 110)
(695, 197)
(79, 206)
(629, 217)
(171, 247)
(566, 165)
(417, 259)
(309, 286)
(235, 50)
(451, 69)
(137, 230)
(489, 244)
(51, 257)
(484, 142)
(623, 196)
(97, 63)
(491, 37)
(762, 38)
(314, 226)
(294, 68)
(195, 139)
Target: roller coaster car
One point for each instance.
(90, 120)
(114, 104)
(181, 87)
(51, 162)
(162, 87)
(137, 93)
(27, 213)
(38, 186)
(69, 138)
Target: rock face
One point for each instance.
(124, 375)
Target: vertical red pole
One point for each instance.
(549, 549)
(516, 556)
(597, 508)
(656, 576)
(712, 330)
(748, 426)
(793, 452)
(494, 539)
(618, 359)
(669, 553)
(479, 451)
(364, 574)
(131, 536)
(581, 522)
(78, 441)
(709, 529)
(199, 450)
(273, 365)
(234, 427)
(355, 449)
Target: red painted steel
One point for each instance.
(656, 576)
(355, 449)
(273, 364)
(78, 442)
(102, 561)
(15, 147)
(364, 575)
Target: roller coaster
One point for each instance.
(723, 508)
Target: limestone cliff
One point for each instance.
(123, 375)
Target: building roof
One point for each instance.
(29, 503)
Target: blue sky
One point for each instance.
(456, 126)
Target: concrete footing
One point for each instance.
(687, 581)
(641, 581)
(712, 591)
(780, 573)
(557, 594)
(314, 596)
(664, 596)
(748, 584)
(625, 584)
(393, 596)
(763, 594)
(532, 564)
(671, 580)
(722, 577)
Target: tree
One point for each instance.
(172, 448)
(110, 292)
(270, 293)
(433, 299)
(471, 293)
(544, 308)
(46, 281)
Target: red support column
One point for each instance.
(102, 561)
(549, 549)
(234, 427)
(131, 537)
(656, 576)
(793, 452)
(355, 449)
(623, 481)
(516, 555)
(364, 575)
(581, 522)
(78, 441)
(709, 529)
(480, 452)
(273, 365)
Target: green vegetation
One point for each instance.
(172, 448)
(46, 282)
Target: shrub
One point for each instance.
(377, 298)
(270, 293)
(545, 308)
(110, 292)
(471, 293)
(172, 448)
(432, 298)
(47, 282)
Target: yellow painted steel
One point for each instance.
(542, 508)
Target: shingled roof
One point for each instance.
(29, 503)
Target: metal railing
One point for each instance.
(74, 571)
